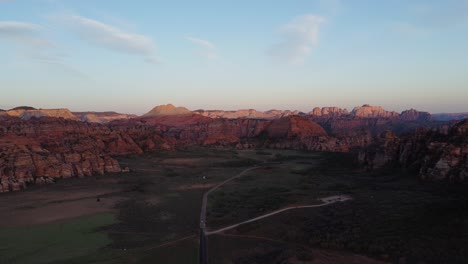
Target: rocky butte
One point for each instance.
(168, 110)
(372, 111)
(38, 146)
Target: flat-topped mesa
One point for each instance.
(101, 117)
(415, 115)
(373, 112)
(328, 112)
(168, 110)
(27, 113)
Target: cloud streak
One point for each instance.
(101, 34)
(298, 38)
(31, 43)
(24, 34)
(208, 49)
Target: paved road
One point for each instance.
(326, 201)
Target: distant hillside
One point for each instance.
(23, 108)
(25, 112)
(168, 110)
(366, 111)
(450, 116)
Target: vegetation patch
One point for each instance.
(52, 242)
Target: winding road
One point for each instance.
(202, 248)
(203, 233)
(325, 203)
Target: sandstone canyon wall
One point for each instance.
(39, 149)
(433, 154)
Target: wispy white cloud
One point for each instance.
(298, 38)
(208, 49)
(22, 33)
(30, 42)
(29, 39)
(202, 42)
(112, 38)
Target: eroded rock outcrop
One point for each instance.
(40, 150)
(414, 115)
(373, 111)
(328, 112)
(432, 154)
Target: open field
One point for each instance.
(151, 215)
(392, 217)
(54, 241)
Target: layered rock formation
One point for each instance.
(248, 113)
(414, 115)
(29, 112)
(434, 155)
(40, 150)
(373, 111)
(328, 112)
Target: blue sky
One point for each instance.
(129, 56)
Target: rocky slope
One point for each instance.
(432, 154)
(40, 150)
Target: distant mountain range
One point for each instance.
(450, 116)
(38, 146)
(365, 111)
